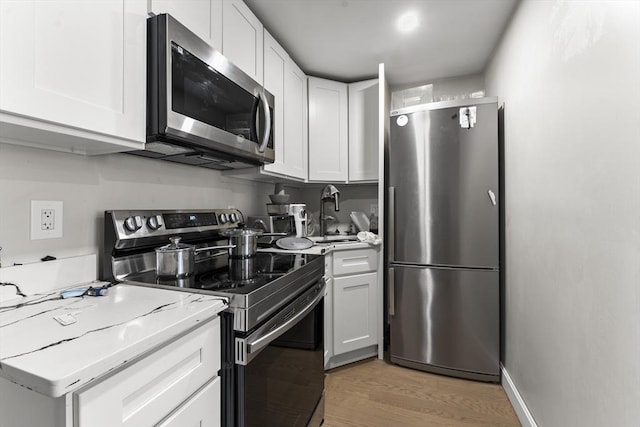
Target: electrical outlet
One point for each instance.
(373, 209)
(46, 219)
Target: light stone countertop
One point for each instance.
(39, 353)
(323, 248)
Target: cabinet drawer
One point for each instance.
(200, 410)
(151, 388)
(355, 261)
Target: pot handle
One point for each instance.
(209, 248)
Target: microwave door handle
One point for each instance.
(267, 127)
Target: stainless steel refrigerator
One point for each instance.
(444, 287)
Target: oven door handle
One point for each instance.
(254, 344)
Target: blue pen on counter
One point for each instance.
(90, 291)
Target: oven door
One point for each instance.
(200, 99)
(280, 368)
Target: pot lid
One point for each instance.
(237, 232)
(174, 245)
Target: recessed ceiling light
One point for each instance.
(407, 22)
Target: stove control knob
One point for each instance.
(233, 217)
(223, 218)
(133, 223)
(154, 222)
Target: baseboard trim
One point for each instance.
(519, 406)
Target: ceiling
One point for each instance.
(346, 39)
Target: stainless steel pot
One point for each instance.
(245, 241)
(178, 260)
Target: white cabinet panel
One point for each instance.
(199, 410)
(242, 38)
(284, 79)
(77, 65)
(328, 321)
(363, 131)
(328, 130)
(203, 17)
(354, 312)
(150, 389)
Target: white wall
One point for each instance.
(568, 73)
(451, 88)
(90, 185)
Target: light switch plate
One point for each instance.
(46, 219)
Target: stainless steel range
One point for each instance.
(275, 315)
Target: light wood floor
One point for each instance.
(376, 393)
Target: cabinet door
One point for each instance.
(200, 410)
(295, 120)
(286, 81)
(275, 59)
(354, 312)
(203, 17)
(242, 38)
(328, 130)
(79, 65)
(363, 131)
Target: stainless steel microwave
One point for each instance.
(201, 108)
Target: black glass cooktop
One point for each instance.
(235, 276)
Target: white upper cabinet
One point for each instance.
(363, 131)
(203, 17)
(73, 74)
(328, 130)
(284, 79)
(242, 38)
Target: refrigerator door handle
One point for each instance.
(392, 223)
(392, 292)
(492, 196)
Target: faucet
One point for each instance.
(328, 192)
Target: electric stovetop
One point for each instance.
(256, 286)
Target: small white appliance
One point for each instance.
(299, 213)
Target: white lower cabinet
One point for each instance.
(176, 385)
(149, 390)
(355, 312)
(351, 307)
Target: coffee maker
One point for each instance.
(287, 218)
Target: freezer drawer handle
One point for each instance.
(492, 196)
(392, 292)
